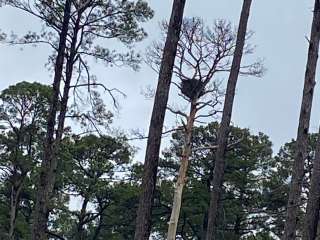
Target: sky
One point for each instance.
(270, 105)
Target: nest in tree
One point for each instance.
(192, 88)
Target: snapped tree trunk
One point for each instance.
(49, 162)
(143, 220)
(303, 129)
(218, 172)
(181, 180)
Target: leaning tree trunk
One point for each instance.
(223, 131)
(177, 198)
(303, 128)
(46, 181)
(143, 220)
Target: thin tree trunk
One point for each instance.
(80, 234)
(204, 226)
(98, 228)
(143, 220)
(48, 165)
(69, 73)
(303, 129)
(15, 189)
(13, 211)
(177, 198)
(223, 131)
(14, 204)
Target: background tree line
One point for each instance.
(98, 176)
(214, 181)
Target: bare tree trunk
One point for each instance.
(49, 163)
(14, 204)
(143, 220)
(302, 135)
(313, 204)
(177, 198)
(69, 73)
(13, 211)
(223, 131)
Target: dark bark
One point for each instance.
(80, 230)
(303, 129)
(143, 220)
(69, 73)
(204, 226)
(98, 228)
(223, 131)
(17, 183)
(237, 227)
(14, 204)
(313, 204)
(49, 163)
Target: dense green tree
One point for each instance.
(276, 188)
(75, 30)
(23, 112)
(249, 161)
(90, 167)
(96, 175)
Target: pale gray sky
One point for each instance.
(270, 105)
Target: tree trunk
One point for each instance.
(69, 73)
(48, 165)
(98, 228)
(80, 233)
(143, 220)
(223, 131)
(313, 204)
(177, 198)
(14, 204)
(302, 135)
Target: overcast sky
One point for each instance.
(270, 105)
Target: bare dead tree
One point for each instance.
(202, 54)
(143, 220)
(218, 172)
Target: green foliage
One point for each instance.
(23, 112)
(89, 175)
(119, 217)
(99, 21)
(248, 161)
(97, 188)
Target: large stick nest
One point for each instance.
(192, 88)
